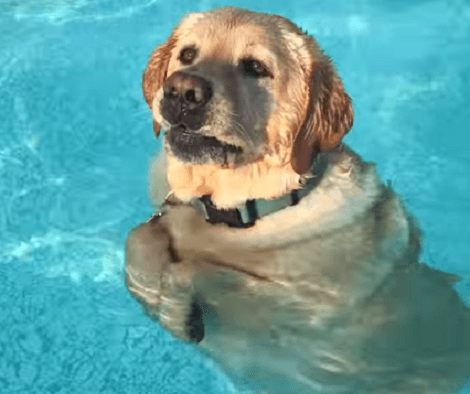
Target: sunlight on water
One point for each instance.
(76, 140)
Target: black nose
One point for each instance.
(191, 90)
(184, 99)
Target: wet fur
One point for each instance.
(325, 296)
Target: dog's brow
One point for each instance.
(258, 50)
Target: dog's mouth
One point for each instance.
(193, 147)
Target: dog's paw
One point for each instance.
(148, 248)
(149, 255)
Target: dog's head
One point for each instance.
(231, 87)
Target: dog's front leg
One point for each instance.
(157, 277)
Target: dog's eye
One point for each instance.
(255, 68)
(187, 55)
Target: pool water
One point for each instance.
(76, 139)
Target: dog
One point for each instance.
(276, 249)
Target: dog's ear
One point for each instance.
(156, 74)
(329, 116)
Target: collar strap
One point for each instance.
(247, 214)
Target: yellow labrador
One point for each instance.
(277, 249)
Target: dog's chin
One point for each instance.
(194, 148)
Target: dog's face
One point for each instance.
(231, 87)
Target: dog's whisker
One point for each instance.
(239, 127)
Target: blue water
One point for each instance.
(75, 143)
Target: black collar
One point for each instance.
(248, 213)
(245, 216)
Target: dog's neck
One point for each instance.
(230, 188)
(248, 213)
